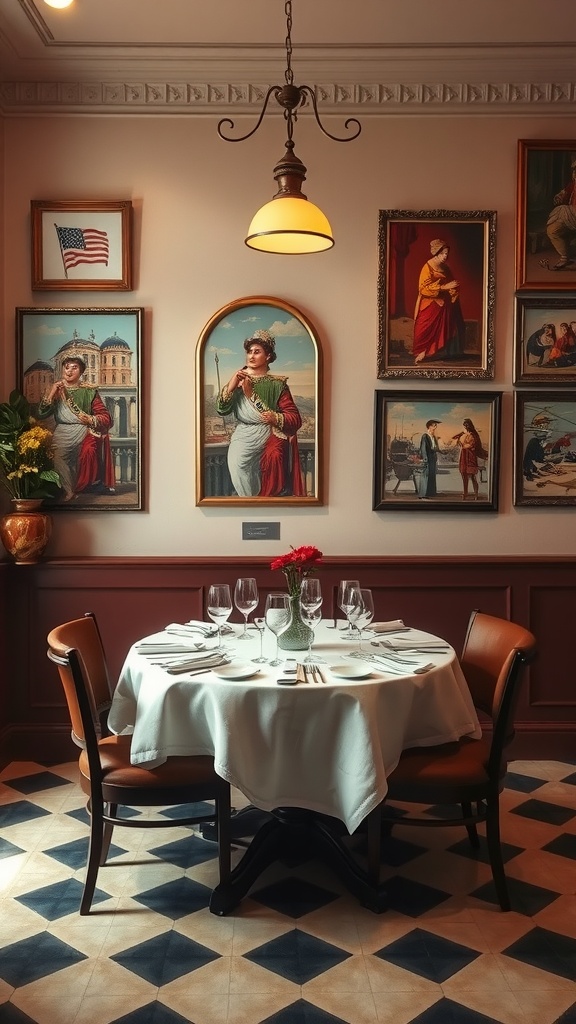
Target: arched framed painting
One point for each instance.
(259, 406)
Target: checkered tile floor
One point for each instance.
(298, 950)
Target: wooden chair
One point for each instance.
(471, 772)
(107, 777)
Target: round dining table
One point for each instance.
(314, 748)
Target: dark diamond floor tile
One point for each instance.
(428, 956)
(10, 1014)
(55, 901)
(570, 779)
(412, 898)
(446, 1011)
(185, 853)
(8, 850)
(164, 958)
(547, 950)
(75, 854)
(188, 810)
(36, 957)
(37, 783)
(152, 1013)
(540, 810)
(80, 814)
(302, 1012)
(464, 849)
(176, 899)
(293, 896)
(522, 783)
(19, 813)
(296, 956)
(525, 898)
(564, 845)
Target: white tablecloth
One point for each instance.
(325, 747)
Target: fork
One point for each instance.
(400, 650)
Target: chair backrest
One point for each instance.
(494, 654)
(76, 648)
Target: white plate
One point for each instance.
(237, 670)
(351, 670)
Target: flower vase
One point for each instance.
(25, 531)
(298, 635)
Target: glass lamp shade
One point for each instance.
(59, 3)
(290, 225)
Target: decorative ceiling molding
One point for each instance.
(214, 98)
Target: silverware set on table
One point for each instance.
(177, 656)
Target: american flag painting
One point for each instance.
(82, 245)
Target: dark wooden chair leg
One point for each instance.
(495, 853)
(373, 841)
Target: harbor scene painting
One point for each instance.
(439, 453)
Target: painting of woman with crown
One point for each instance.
(258, 425)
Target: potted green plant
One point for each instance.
(28, 474)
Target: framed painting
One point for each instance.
(436, 452)
(80, 369)
(81, 246)
(259, 406)
(546, 215)
(545, 339)
(545, 448)
(436, 285)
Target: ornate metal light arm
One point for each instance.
(282, 227)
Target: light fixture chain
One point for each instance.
(288, 74)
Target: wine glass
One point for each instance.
(260, 624)
(311, 610)
(361, 615)
(346, 594)
(277, 615)
(246, 600)
(219, 607)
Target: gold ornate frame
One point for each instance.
(81, 246)
(219, 352)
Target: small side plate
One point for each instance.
(236, 670)
(350, 670)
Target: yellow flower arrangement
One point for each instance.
(26, 452)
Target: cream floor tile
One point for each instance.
(251, 1008)
(484, 973)
(216, 933)
(546, 869)
(560, 916)
(199, 1006)
(111, 979)
(386, 977)
(501, 1005)
(522, 976)
(401, 1007)
(247, 977)
(213, 977)
(500, 929)
(81, 933)
(561, 793)
(465, 933)
(57, 998)
(543, 1007)
(448, 871)
(352, 1007)
(39, 870)
(378, 930)
(349, 976)
(333, 925)
(103, 1008)
(131, 930)
(257, 925)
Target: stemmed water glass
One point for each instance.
(277, 615)
(347, 590)
(311, 610)
(361, 616)
(246, 600)
(260, 624)
(219, 607)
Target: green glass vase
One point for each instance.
(298, 635)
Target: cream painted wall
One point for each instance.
(193, 196)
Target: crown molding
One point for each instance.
(125, 96)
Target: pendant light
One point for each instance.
(289, 223)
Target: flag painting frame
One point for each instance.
(81, 245)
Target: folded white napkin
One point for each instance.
(204, 661)
(393, 626)
(208, 625)
(145, 648)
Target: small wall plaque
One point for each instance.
(260, 531)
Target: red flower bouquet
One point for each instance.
(297, 564)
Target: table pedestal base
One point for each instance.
(296, 829)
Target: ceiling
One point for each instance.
(195, 56)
